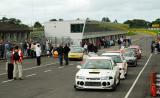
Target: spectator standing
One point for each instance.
(9, 64)
(25, 48)
(153, 45)
(66, 51)
(38, 55)
(119, 43)
(17, 57)
(2, 50)
(95, 48)
(85, 48)
(60, 54)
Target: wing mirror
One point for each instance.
(79, 67)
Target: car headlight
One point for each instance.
(106, 78)
(80, 77)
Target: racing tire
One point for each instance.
(75, 88)
(114, 86)
(136, 64)
(126, 73)
(119, 80)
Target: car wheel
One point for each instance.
(114, 86)
(75, 88)
(136, 64)
(118, 80)
(126, 73)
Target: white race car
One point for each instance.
(97, 73)
(120, 61)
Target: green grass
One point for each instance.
(115, 26)
(131, 33)
(144, 31)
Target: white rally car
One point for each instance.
(120, 61)
(97, 73)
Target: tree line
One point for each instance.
(13, 21)
(134, 23)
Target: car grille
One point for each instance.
(93, 78)
(92, 83)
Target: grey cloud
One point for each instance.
(43, 10)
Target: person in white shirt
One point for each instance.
(38, 55)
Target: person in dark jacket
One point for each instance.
(95, 48)
(60, 54)
(66, 50)
(153, 45)
(9, 64)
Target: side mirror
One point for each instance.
(79, 66)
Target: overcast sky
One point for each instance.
(30, 11)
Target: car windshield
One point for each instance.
(77, 50)
(128, 54)
(97, 64)
(116, 58)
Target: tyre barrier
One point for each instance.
(155, 84)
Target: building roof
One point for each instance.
(6, 27)
(104, 26)
(101, 34)
(99, 29)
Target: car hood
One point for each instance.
(120, 65)
(94, 72)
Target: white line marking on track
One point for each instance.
(61, 67)
(133, 85)
(3, 74)
(47, 70)
(30, 75)
(7, 81)
(32, 68)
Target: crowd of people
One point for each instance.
(13, 53)
(155, 46)
(14, 58)
(93, 47)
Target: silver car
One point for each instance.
(130, 58)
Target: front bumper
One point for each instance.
(75, 57)
(94, 84)
(131, 62)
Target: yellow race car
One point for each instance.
(76, 53)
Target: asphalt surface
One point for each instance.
(52, 81)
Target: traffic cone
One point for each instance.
(153, 90)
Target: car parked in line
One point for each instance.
(76, 53)
(120, 61)
(130, 58)
(90, 54)
(137, 50)
(97, 73)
